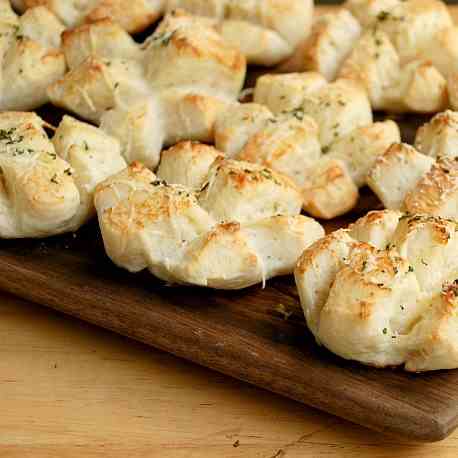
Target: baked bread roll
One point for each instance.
(439, 137)
(285, 92)
(188, 164)
(267, 32)
(420, 88)
(98, 85)
(411, 25)
(329, 190)
(241, 227)
(104, 39)
(452, 87)
(188, 52)
(333, 37)
(402, 55)
(442, 50)
(46, 186)
(171, 88)
(132, 15)
(386, 305)
(30, 56)
(407, 180)
(414, 87)
(326, 144)
(397, 172)
(368, 11)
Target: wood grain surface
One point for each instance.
(256, 335)
(70, 390)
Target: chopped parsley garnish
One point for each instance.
(164, 38)
(10, 137)
(298, 113)
(159, 183)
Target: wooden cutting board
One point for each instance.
(256, 335)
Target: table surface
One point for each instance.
(69, 389)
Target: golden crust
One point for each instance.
(102, 38)
(332, 38)
(288, 144)
(172, 88)
(434, 192)
(405, 179)
(324, 244)
(439, 136)
(133, 15)
(266, 35)
(332, 121)
(47, 191)
(237, 124)
(187, 163)
(412, 24)
(385, 306)
(31, 61)
(224, 236)
(187, 51)
(286, 91)
(397, 172)
(329, 190)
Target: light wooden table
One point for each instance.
(69, 389)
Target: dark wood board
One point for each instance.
(245, 334)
